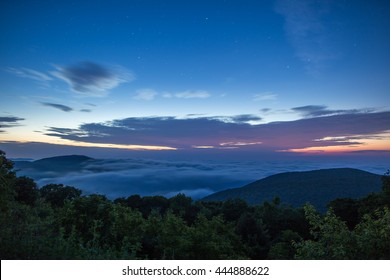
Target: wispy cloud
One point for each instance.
(265, 96)
(306, 29)
(320, 110)
(265, 110)
(61, 107)
(149, 94)
(232, 144)
(146, 94)
(193, 94)
(6, 122)
(92, 79)
(245, 118)
(188, 94)
(85, 78)
(30, 74)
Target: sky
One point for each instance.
(197, 79)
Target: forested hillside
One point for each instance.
(317, 187)
(58, 222)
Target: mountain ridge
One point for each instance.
(54, 164)
(317, 187)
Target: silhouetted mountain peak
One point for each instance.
(53, 165)
(64, 159)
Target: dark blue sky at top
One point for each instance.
(199, 41)
(70, 65)
(211, 36)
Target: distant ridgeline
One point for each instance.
(53, 164)
(317, 187)
(52, 167)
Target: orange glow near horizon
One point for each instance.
(101, 145)
(121, 146)
(379, 142)
(19, 136)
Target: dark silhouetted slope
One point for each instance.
(52, 165)
(61, 160)
(296, 188)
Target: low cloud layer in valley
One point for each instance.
(123, 177)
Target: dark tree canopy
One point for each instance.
(26, 190)
(58, 194)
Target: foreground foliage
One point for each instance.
(58, 222)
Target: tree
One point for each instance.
(173, 242)
(179, 204)
(254, 235)
(183, 206)
(347, 209)
(7, 177)
(213, 239)
(153, 203)
(373, 235)
(128, 229)
(386, 183)
(58, 194)
(6, 167)
(370, 239)
(151, 237)
(278, 217)
(233, 208)
(332, 238)
(284, 248)
(89, 215)
(133, 201)
(209, 209)
(26, 190)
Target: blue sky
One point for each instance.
(272, 77)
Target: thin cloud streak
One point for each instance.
(193, 94)
(246, 118)
(10, 121)
(29, 73)
(61, 107)
(188, 94)
(265, 97)
(146, 94)
(320, 111)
